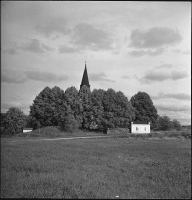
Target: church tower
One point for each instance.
(85, 80)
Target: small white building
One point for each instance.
(25, 130)
(140, 127)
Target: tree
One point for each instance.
(73, 100)
(164, 123)
(109, 99)
(85, 100)
(97, 120)
(118, 111)
(176, 125)
(144, 108)
(67, 121)
(47, 107)
(39, 111)
(14, 121)
(58, 104)
(2, 119)
(125, 111)
(2, 123)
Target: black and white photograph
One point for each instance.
(96, 99)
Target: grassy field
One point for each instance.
(96, 168)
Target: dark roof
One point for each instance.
(27, 128)
(85, 79)
(140, 122)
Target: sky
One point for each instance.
(128, 46)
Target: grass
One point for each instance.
(96, 168)
(54, 132)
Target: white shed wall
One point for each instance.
(25, 131)
(140, 128)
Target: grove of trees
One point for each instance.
(164, 123)
(97, 110)
(84, 109)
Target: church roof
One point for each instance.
(85, 79)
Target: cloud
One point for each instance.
(163, 66)
(136, 53)
(170, 107)
(10, 51)
(35, 46)
(156, 76)
(66, 49)
(186, 52)
(139, 53)
(175, 75)
(45, 76)
(7, 105)
(47, 48)
(183, 120)
(55, 37)
(154, 37)
(182, 52)
(176, 51)
(53, 25)
(5, 78)
(156, 52)
(99, 77)
(87, 36)
(126, 77)
(179, 96)
(17, 98)
(115, 52)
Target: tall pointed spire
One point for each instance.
(85, 80)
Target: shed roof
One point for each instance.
(140, 122)
(27, 128)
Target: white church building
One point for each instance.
(140, 127)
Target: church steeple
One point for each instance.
(85, 80)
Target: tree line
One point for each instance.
(97, 110)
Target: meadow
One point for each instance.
(110, 167)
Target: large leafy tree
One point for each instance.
(14, 121)
(39, 111)
(85, 100)
(47, 107)
(97, 108)
(144, 108)
(109, 99)
(125, 111)
(67, 121)
(118, 111)
(58, 104)
(73, 100)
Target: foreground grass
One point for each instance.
(96, 168)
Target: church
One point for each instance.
(85, 79)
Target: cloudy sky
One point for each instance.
(128, 46)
